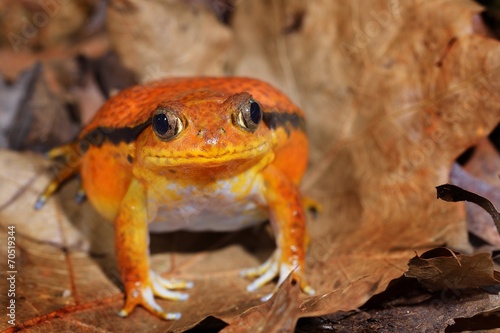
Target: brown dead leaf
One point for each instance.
(442, 312)
(158, 39)
(442, 268)
(49, 31)
(20, 183)
(36, 25)
(393, 91)
(277, 315)
(12, 97)
(41, 121)
(487, 320)
(407, 306)
(110, 73)
(484, 163)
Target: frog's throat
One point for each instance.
(215, 158)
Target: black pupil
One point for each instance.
(255, 112)
(161, 124)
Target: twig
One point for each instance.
(452, 193)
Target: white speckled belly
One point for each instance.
(226, 205)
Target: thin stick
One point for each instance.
(452, 193)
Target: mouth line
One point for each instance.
(227, 155)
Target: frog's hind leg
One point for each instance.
(288, 220)
(67, 163)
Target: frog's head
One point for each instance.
(203, 131)
(200, 126)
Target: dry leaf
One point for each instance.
(20, 184)
(484, 163)
(157, 39)
(42, 121)
(406, 306)
(275, 316)
(36, 25)
(443, 312)
(12, 97)
(443, 269)
(487, 320)
(393, 91)
(110, 73)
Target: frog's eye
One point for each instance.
(249, 116)
(167, 124)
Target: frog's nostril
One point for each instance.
(210, 138)
(201, 133)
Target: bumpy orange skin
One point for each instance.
(128, 181)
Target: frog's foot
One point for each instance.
(312, 206)
(271, 269)
(171, 284)
(143, 294)
(68, 158)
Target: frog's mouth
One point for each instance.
(206, 159)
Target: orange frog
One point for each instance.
(193, 154)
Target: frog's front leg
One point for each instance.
(289, 224)
(132, 253)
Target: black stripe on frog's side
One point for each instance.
(98, 136)
(285, 120)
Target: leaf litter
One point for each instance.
(394, 93)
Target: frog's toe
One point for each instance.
(297, 276)
(304, 286)
(312, 206)
(162, 287)
(80, 196)
(161, 291)
(170, 283)
(261, 269)
(286, 270)
(265, 278)
(144, 296)
(264, 273)
(273, 268)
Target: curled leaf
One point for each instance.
(443, 268)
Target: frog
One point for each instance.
(193, 154)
